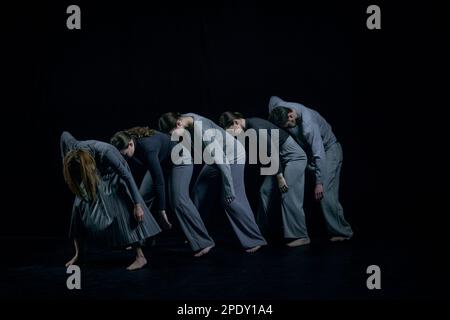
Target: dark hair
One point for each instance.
(279, 116)
(121, 139)
(168, 121)
(226, 119)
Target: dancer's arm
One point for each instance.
(114, 159)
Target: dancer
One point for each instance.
(290, 176)
(316, 137)
(223, 174)
(108, 206)
(150, 148)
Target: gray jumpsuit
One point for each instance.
(226, 176)
(150, 152)
(315, 136)
(293, 162)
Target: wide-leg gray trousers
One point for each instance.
(239, 212)
(294, 161)
(331, 207)
(187, 213)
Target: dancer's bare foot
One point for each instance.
(203, 251)
(339, 238)
(72, 261)
(137, 264)
(164, 221)
(254, 249)
(298, 242)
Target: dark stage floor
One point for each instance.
(34, 268)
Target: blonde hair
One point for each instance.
(80, 173)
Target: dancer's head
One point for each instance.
(125, 141)
(233, 122)
(80, 173)
(283, 117)
(170, 121)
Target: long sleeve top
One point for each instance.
(107, 159)
(220, 158)
(151, 152)
(262, 124)
(312, 132)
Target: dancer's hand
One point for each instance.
(164, 221)
(318, 192)
(229, 200)
(138, 212)
(282, 185)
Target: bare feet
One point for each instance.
(254, 249)
(72, 261)
(338, 238)
(137, 264)
(164, 221)
(203, 251)
(298, 242)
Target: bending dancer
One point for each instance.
(108, 206)
(315, 136)
(150, 147)
(222, 175)
(290, 176)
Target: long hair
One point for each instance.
(80, 173)
(168, 121)
(226, 119)
(121, 139)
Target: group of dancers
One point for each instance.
(109, 207)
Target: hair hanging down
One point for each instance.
(121, 139)
(226, 119)
(168, 121)
(279, 116)
(80, 173)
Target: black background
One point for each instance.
(381, 90)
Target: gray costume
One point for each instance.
(109, 218)
(226, 175)
(180, 200)
(316, 137)
(293, 162)
(151, 152)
